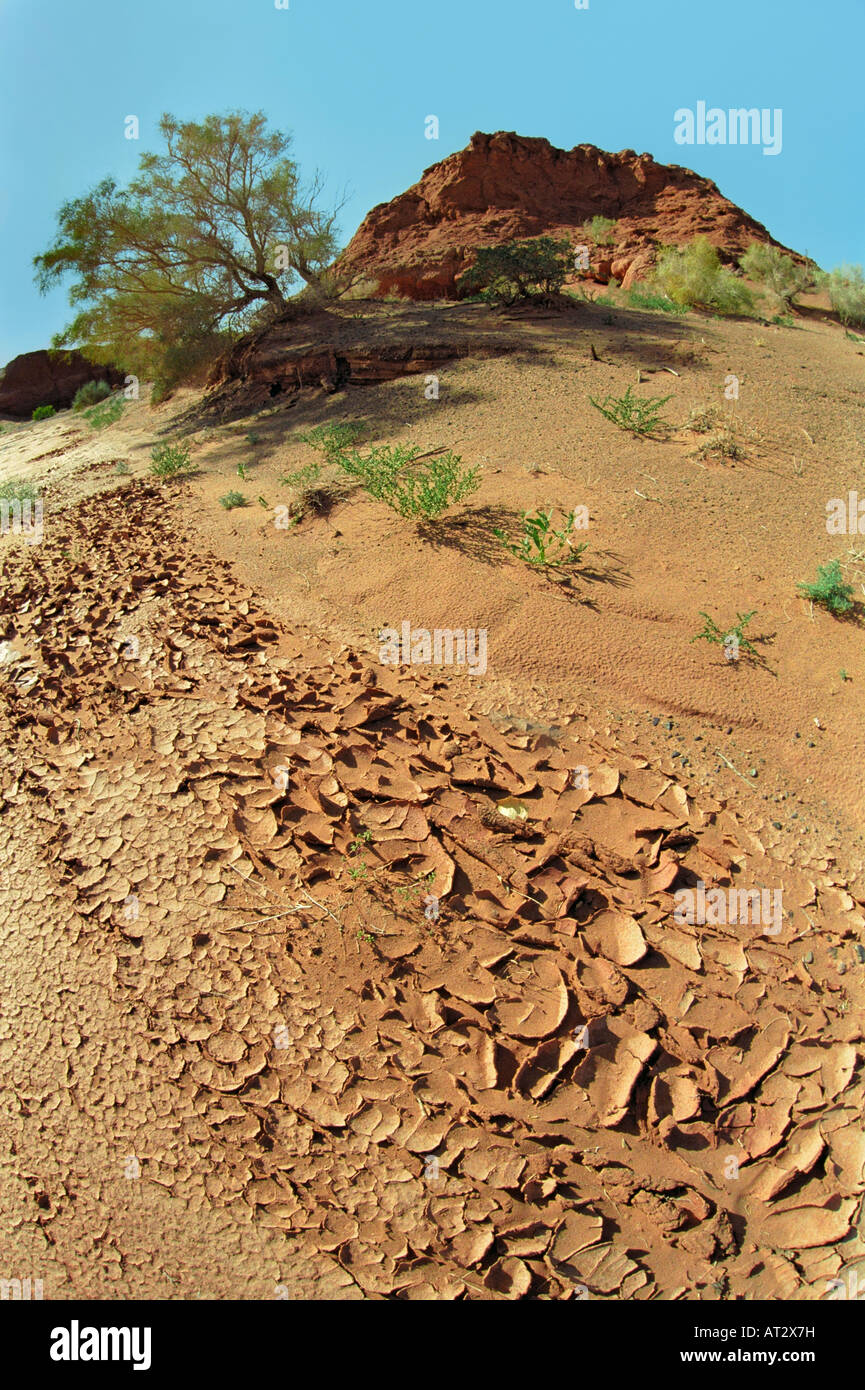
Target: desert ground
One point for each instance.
(363, 1035)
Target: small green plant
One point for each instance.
(517, 270)
(334, 437)
(363, 837)
(168, 460)
(846, 286)
(253, 438)
(44, 412)
(263, 503)
(638, 414)
(121, 467)
(541, 544)
(106, 413)
(829, 589)
(600, 229)
(693, 276)
(783, 321)
(231, 500)
(242, 471)
(732, 639)
(420, 495)
(779, 273)
(843, 674)
(91, 393)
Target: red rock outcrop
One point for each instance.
(48, 378)
(507, 186)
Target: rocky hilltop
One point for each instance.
(507, 186)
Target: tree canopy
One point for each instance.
(210, 232)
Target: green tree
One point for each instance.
(210, 232)
(769, 266)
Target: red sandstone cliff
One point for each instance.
(507, 186)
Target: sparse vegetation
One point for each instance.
(693, 276)
(421, 495)
(779, 273)
(702, 419)
(638, 414)
(642, 299)
(600, 229)
(242, 471)
(732, 639)
(230, 500)
(91, 393)
(18, 490)
(723, 444)
(829, 589)
(106, 413)
(541, 544)
(846, 286)
(517, 270)
(121, 467)
(44, 412)
(332, 438)
(169, 460)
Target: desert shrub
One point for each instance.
(319, 496)
(829, 589)
(541, 543)
(168, 460)
(702, 419)
(693, 276)
(846, 286)
(517, 270)
(121, 467)
(44, 412)
(422, 494)
(722, 444)
(232, 499)
(638, 414)
(90, 394)
(780, 274)
(106, 413)
(600, 229)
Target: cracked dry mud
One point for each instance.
(241, 1059)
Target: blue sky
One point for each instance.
(353, 81)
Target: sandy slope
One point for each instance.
(301, 1169)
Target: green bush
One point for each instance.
(425, 493)
(232, 499)
(169, 460)
(638, 414)
(829, 590)
(769, 266)
(44, 412)
(600, 229)
(693, 276)
(516, 270)
(333, 437)
(106, 413)
(90, 394)
(846, 287)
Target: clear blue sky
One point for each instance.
(353, 81)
